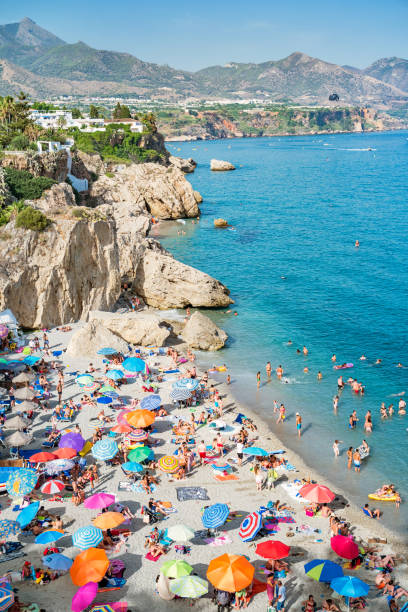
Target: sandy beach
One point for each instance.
(311, 537)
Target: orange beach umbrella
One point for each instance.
(230, 573)
(108, 520)
(140, 418)
(89, 566)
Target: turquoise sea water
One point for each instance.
(298, 205)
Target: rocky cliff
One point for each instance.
(53, 165)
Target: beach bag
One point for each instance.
(271, 609)
(146, 518)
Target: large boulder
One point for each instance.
(164, 282)
(141, 328)
(185, 165)
(218, 165)
(147, 188)
(56, 200)
(93, 336)
(201, 333)
(60, 274)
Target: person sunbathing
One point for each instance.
(156, 549)
(394, 590)
(278, 506)
(357, 603)
(53, 436)
(146, 483)
(381, 579)
(162, 412)
(329, 604)
(180, 474)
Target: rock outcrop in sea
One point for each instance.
(218, 165)
(201, 333)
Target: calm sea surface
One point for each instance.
(298, 205)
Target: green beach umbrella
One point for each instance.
(140, 454)
(189, 586)
(176, 569)
(180, 533)
(323, 570)
(107, 389)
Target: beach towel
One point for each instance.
(290, 468)
(225, 477)
(12, 555)
(187, 493)
(137, 488)
(150, 557)
(218, 541)
(125, 486)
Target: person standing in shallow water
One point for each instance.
(258, 379)
(268, 369)
(299, 424)
(349, 457)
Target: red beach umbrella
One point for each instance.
(272, 549)
(318, 494)
(121, 428)
(42, 457)
(65, 453)
(52, 487)
(345, 547)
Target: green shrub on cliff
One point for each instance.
(117, 144)
(32, 219)
(25, 186)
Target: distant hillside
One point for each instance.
(392, 70)
(42, 64)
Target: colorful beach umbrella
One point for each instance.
(42, 457)
(318, 494)
(134, 364)
(4, 330)
(151, 402)
(250, 526)
(137, 435)
(255, 451)
(84, 379)
(8, 528)
(51, 535)
(121, 428)
(114, 374)
(180, 395)
(52, 487)
(214, 516)
(104, 399)
(168, 464)
(349, 586)
(180, 533)
(105, 449)
(186, 383)
(230, 573)
(189, 586)
(105, 608)
(344, 546)
(84, 596)
(132, 466)
(59, 465)
(107, 350)
(121, 416)
(109, 520)
(272, 549)
(21, 482)
(99, 500)
(176, 569)
(72, 440)
(140, 454)
(6, 596)
(323, 570)
(107, 389)
(87, 537)
(65, 453)
(89, 566)
(57, 561)
(140, 418)
(27, 514)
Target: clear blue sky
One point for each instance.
(192, 35)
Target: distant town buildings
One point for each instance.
(63, 119)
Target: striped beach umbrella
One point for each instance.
(87, 537)
(134, 364)
(168, 464)
(250, 526)
(180, 395)
(90, 388)
(21, 482)
(6, 596)
(151, 402)
(57, 561)
(189, 586)
(137, 435)
(8, 528)
(323, 570)
(84, 379)
(105, 449)
(102, 608)
(214, 516)
(59, 465)
(51, 535)
(52, 487)
(140, 454)
(176, 569)
(132, 466)
(186, 383)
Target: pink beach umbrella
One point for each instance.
(121, 416)
(345, 547)
(84, 596)
(99, 500)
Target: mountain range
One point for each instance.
(41, 64)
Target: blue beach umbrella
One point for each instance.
(214, 516)
(87, 537)
(151, 402)
(179, 395)
(28, 513)
(31, 360)
(8, 528)
(132, 466)
(255, 451)
(114, 374)
(323, 570)
(134, 364)
(51, 535)
(107, 350)
(186, 383)
(56, 561)
(104, 400)
(349, 586)
(105, 449)
(21, 482)
(6, 596)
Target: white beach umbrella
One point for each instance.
(16, 422)
(24, 394)
(24, 377)
(18, 438)
(25, 406)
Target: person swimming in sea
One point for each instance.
(319, 375)
(335, 402)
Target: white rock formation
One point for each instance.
(142, 328)
(89, 339)
(217, 165)
(201, 333)
(185, 165)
